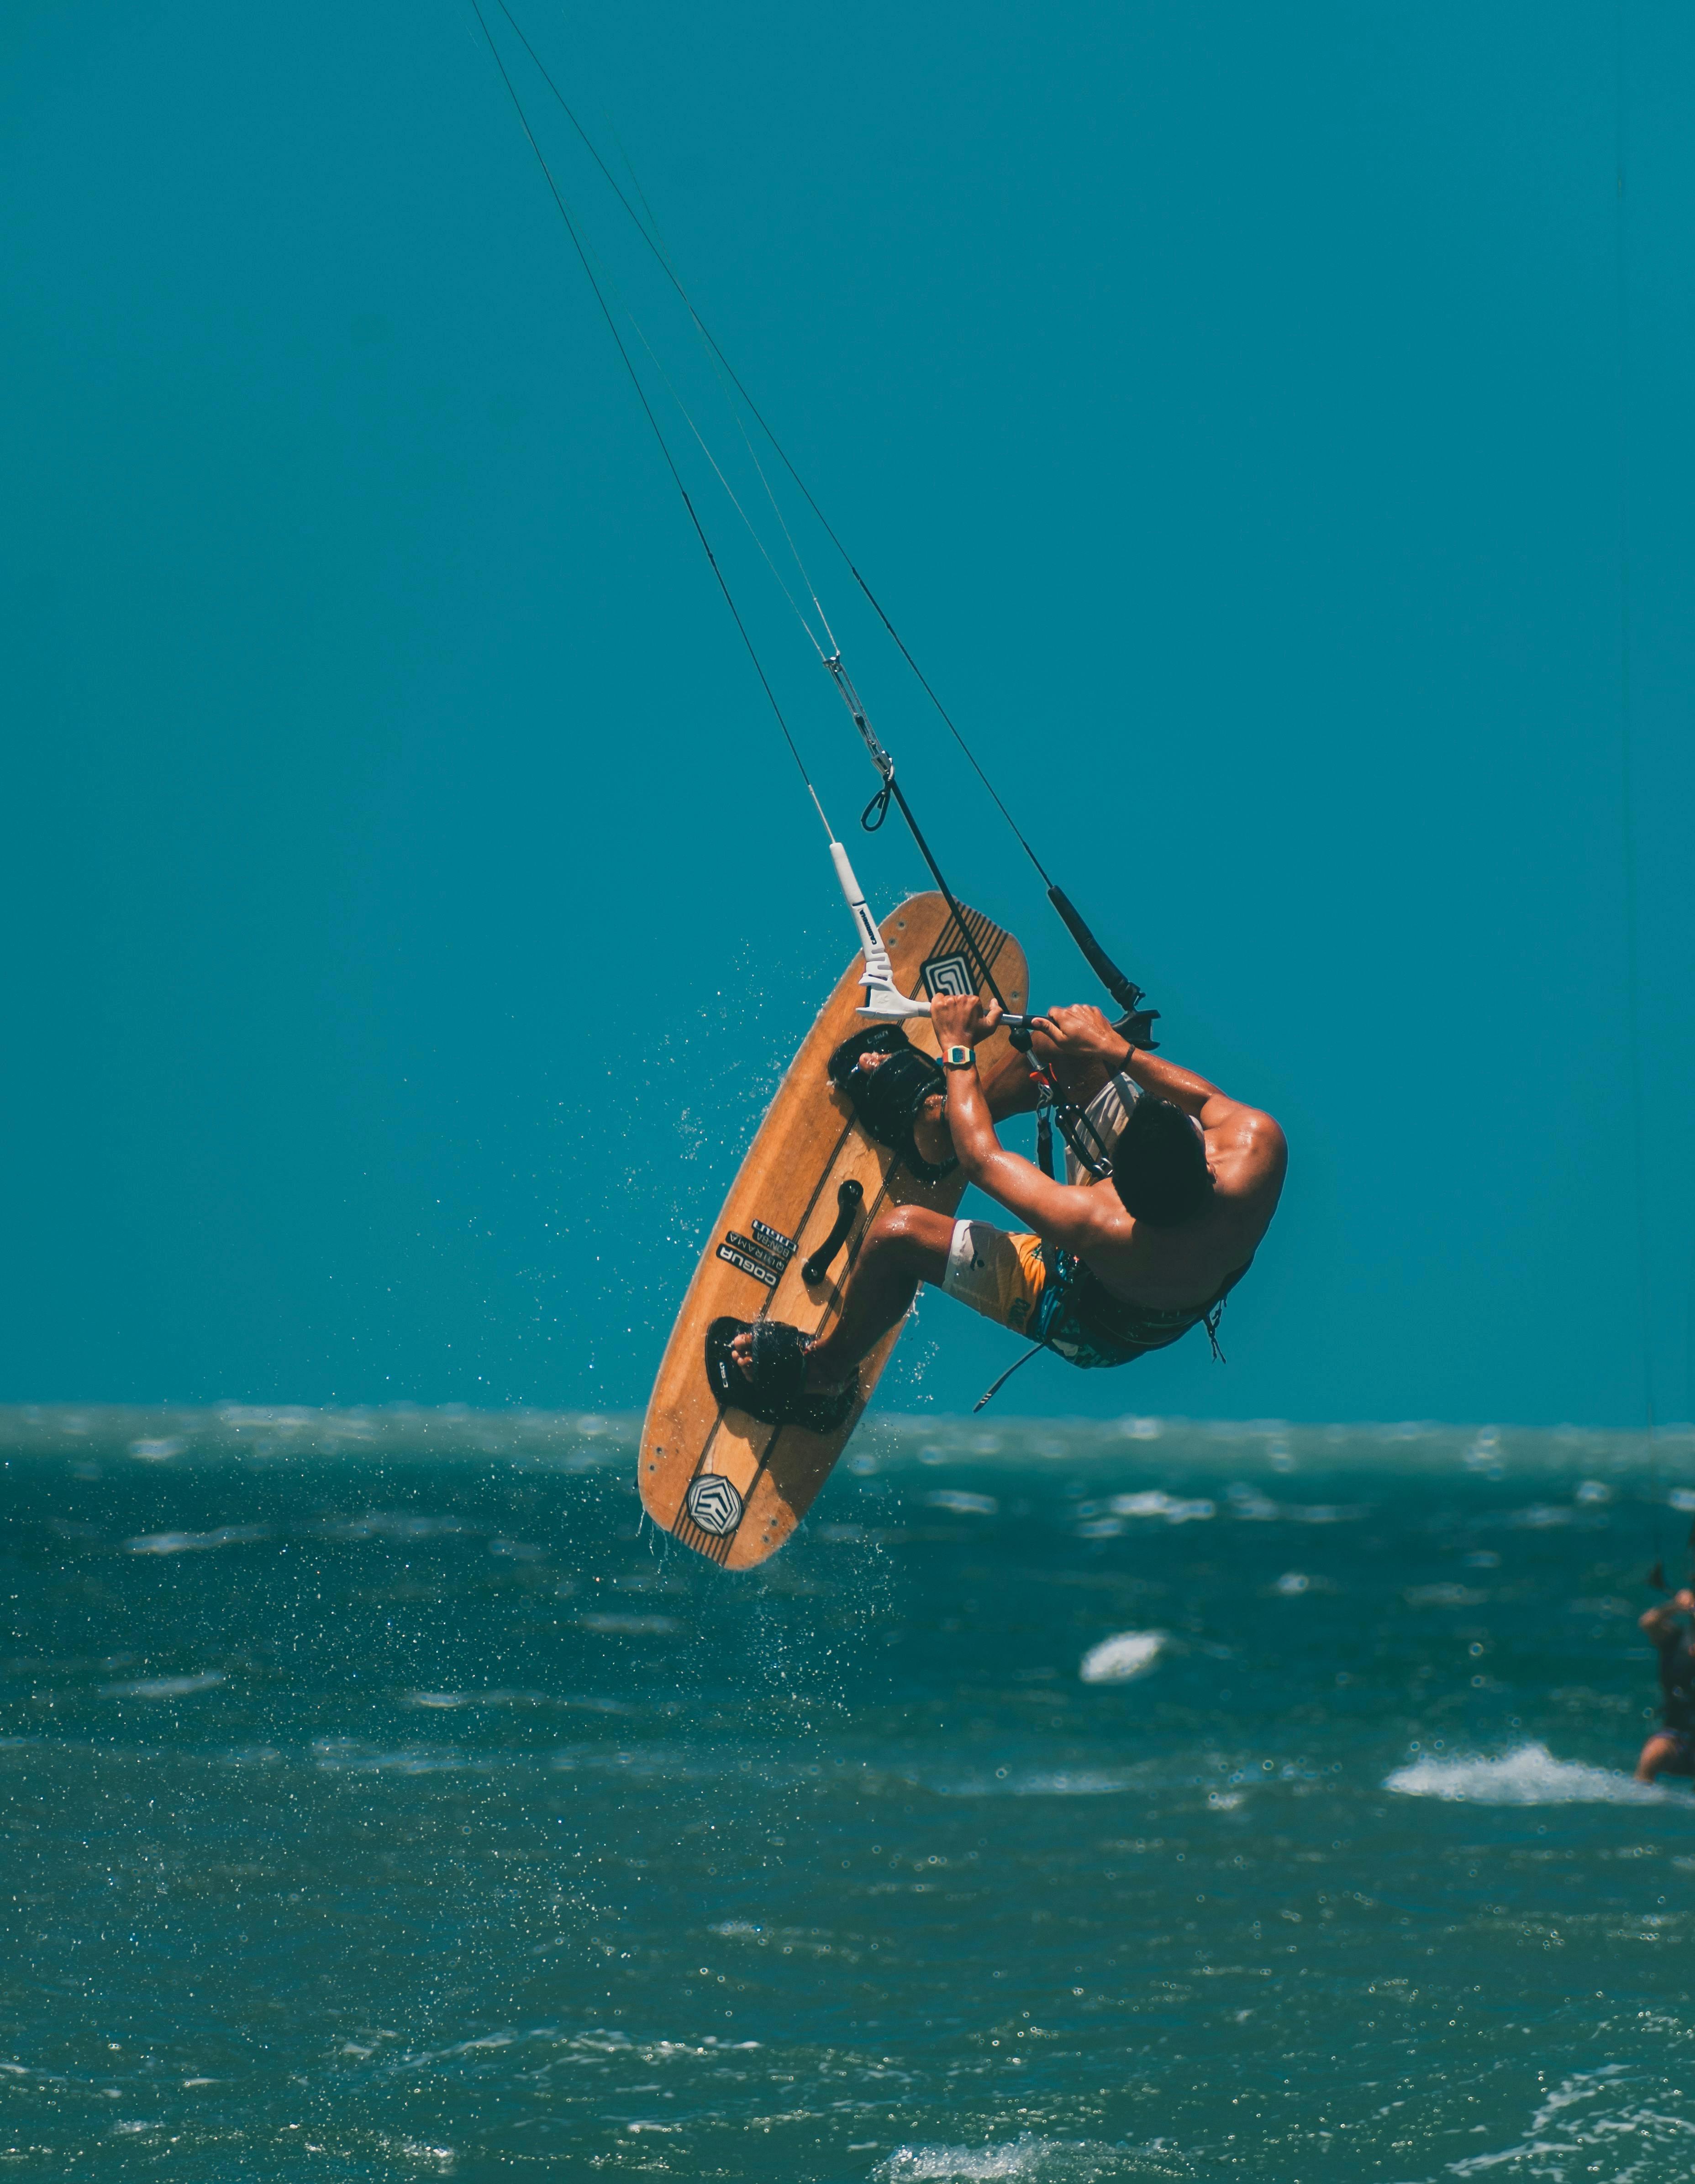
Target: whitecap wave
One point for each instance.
(1610, 2123)
(1116, 1659)
(335, 1754)
(444, 1700)
(165, 1687)
(1058, 1782)
(190, 1543)
(1530, 1775)
(1031, 2159)
(1172, 1507)
(1070, 1782)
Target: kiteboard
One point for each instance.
(725, 1484)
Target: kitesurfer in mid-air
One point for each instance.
(1671, 1750)
(1102, 1273)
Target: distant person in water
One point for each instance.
(1101, 1272)
(1671, 1750)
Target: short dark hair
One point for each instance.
(1159, 1165)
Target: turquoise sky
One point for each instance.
(409, 905)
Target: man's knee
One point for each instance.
(907, 1235)
(894, 1229)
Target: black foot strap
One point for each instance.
(887, 1100)
(775, 1389)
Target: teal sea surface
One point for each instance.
(1068, 1800)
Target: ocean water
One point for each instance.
(383, 1799)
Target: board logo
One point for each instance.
(755, 1259)
(774, 1241)
(714, 1504)
(948, 974)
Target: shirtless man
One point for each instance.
(1671, 1750)
(1103, 1273)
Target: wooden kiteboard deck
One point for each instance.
(727, 1485)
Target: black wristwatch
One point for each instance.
(959, 1057)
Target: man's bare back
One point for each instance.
(1170, 1267)
(1138, 1284)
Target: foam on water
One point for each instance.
(1174, 1508)
(165, 1687)
(1117, 1659)
(185, 1543)
(1530, 1775)
(1070, 1782)
(1031, 2159)
(1595, 2124)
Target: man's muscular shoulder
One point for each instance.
(1253, 1148)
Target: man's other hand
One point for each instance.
(962, 1019)
(1083, 1034)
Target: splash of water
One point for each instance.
(1530, 1775)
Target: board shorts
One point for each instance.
(1004, 1277)
(1008, 1279)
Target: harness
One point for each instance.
(1073, 1286)
(1065, 1277)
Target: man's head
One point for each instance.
(1159, 1165)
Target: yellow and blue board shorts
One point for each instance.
(1056, 1302)
(1001, 1276)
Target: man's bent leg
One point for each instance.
(999, 1275)
(973, 1262)
(904, 1245)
